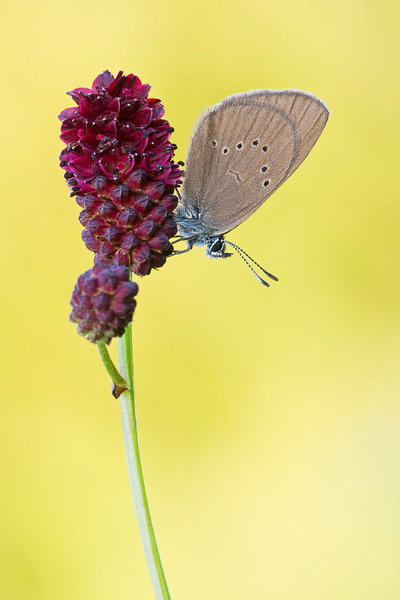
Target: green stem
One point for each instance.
(129, 426)
(109, 365)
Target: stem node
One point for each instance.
(117, 390)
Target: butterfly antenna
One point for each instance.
(241, 253)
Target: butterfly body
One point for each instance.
(241, 151)
(196, 233)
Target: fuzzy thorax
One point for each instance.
(195, 233)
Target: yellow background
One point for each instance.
(269, 419)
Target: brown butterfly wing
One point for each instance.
(242, 150)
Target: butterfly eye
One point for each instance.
(214, 143)
(263, 169)
(239, 146)
(217, 246)
(255, 142)
(225, 150)
(266, 182)
(265, 148)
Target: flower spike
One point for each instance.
(119, 165)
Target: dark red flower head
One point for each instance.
(103, 302)
(118, 164)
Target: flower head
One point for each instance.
(119, 164)
(103, 302)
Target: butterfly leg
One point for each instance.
(189, 246)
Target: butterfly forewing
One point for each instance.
(244, 149)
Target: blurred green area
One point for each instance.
(269, 419)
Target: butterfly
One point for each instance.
(241, 152)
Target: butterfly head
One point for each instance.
(216, 248)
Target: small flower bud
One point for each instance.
(103, 302)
